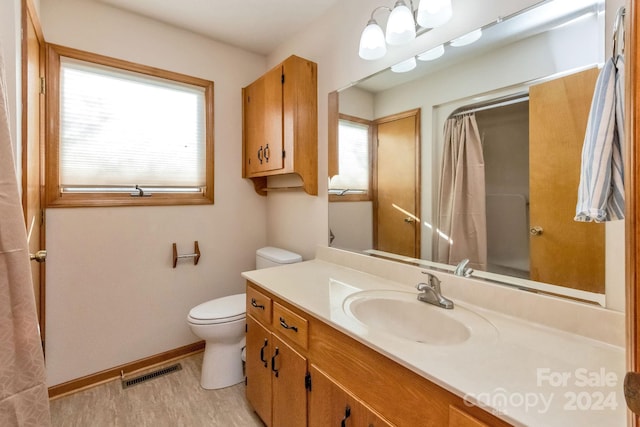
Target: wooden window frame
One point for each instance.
(363, 197)
(54, 196)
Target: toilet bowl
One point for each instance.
(221, 324)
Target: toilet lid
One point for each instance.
(220, 310)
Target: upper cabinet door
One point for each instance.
(263, 130)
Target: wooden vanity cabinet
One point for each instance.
(275, 371)
(339, 377)
(280, 124)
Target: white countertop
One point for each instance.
(528, 374)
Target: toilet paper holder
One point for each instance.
(195, 255)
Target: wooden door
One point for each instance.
(397, 185)
(258, 369)
(32, 148)
(263, 124)
(567, 253)
(288, 385)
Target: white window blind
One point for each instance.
(119, 129)
(353, 149)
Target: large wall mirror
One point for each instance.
(527, 84)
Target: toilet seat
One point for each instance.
(220, 310)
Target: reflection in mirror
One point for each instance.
(522, 94)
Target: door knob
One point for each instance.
(40, 256)
(535, 231)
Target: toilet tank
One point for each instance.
(270, 257)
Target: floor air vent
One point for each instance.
(151, 375)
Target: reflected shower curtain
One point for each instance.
(24, 399)
(462, 220)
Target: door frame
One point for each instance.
(29, 12)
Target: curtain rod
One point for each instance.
(487, 105)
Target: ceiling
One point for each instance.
(257, 26)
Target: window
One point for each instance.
(125, 134)
(354, 161)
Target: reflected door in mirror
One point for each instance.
(563, 251)
(396, 212)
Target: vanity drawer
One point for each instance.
(259, 305)
(288, 324)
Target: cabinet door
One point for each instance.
(459, 418)
(258, 369)
(288, 385)
(332, 405)
(263, 124)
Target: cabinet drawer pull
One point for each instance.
(347, 414)
(284, 325)
(260, 150)
(266, 153)
(266, 343)
(273, 362)
(256, 305)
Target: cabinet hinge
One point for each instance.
(246, 328)
(283, 154)
(282, 78)
(245, 380)
(307, 381)
(43, 86)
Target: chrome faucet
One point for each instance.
(462, 270)
(431, 292)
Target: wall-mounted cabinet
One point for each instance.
(280, 125)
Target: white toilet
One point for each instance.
(220, 323)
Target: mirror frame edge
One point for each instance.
(632, 131)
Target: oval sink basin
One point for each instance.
(400, 314)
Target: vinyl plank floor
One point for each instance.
(172, 400)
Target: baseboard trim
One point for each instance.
(98, 378)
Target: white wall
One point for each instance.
(112, 294)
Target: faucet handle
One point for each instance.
(423, 286)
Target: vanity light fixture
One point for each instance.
(467, 39)
(401, 25)
(404, 66)
(432, 54)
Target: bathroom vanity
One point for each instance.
(342, 340)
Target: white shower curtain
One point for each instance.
(462, 219)
(23, 392)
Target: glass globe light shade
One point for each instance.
(404, 66)
(372, 45)
(401, 28)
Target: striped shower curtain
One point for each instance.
(23, 392)
(462, 220)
